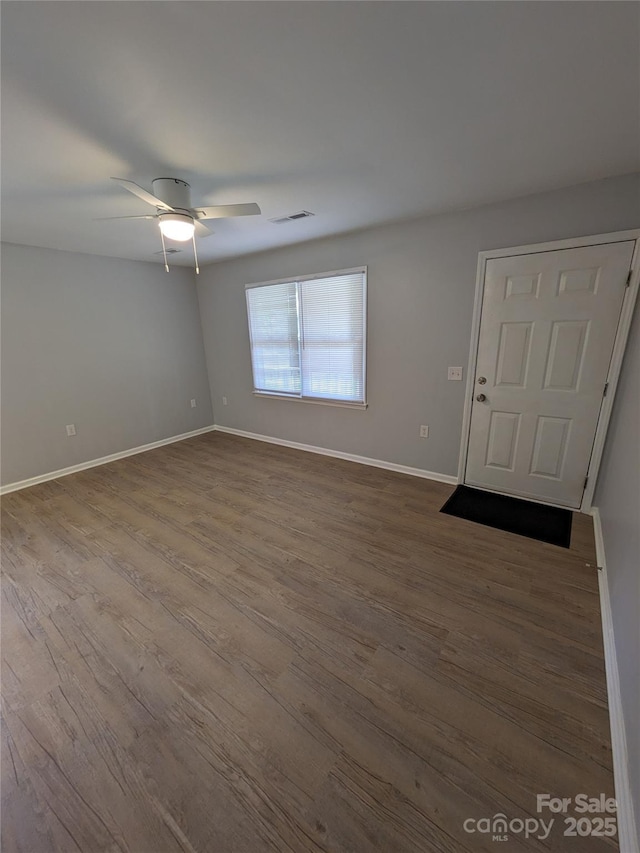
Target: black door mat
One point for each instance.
(546, 523)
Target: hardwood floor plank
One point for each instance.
(95, 786)
(567, 718)
(376, 740)
(231, 808)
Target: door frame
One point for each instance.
(622, 334)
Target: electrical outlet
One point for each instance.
(224, 401)
(71, 429)
(455, 373)
(193, 404)
(424, 431)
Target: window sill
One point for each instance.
(341, 404)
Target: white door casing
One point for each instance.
(547, 329)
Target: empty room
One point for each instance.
(320, 394)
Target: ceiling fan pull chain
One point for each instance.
(195, 254)
(164, 252)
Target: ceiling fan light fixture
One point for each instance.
(176, 226)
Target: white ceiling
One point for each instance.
(362, 112)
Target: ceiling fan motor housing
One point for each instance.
(174, 192)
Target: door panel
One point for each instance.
(513, 354)
(547, 330)
(549, 447)
(503, 440)
(566, 354)
(522, 285)
(572, 281)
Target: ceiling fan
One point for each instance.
(177, 219)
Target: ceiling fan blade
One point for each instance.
(104, 218)
(202, 230)
(221, 211)
(142, 193)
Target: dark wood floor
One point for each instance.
(225, 646)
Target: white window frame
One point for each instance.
(317, 401)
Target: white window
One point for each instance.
(308, 337)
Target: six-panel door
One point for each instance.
(547, 331)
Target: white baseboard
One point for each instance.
(94, 463)
(350, 457)
(323, 451)
(627, 834)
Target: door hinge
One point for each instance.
(586, 480)
(606, 388)
(629, 278)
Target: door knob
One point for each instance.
(481, 398)
(481, 380)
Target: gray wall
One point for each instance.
(113, 346)
(618, 499)
(421, 291)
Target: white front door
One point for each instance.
(547, 330)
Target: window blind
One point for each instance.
(308, 337)
(333, 337)
(273, 328)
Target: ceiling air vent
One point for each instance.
(302, 214)
(169, 252)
